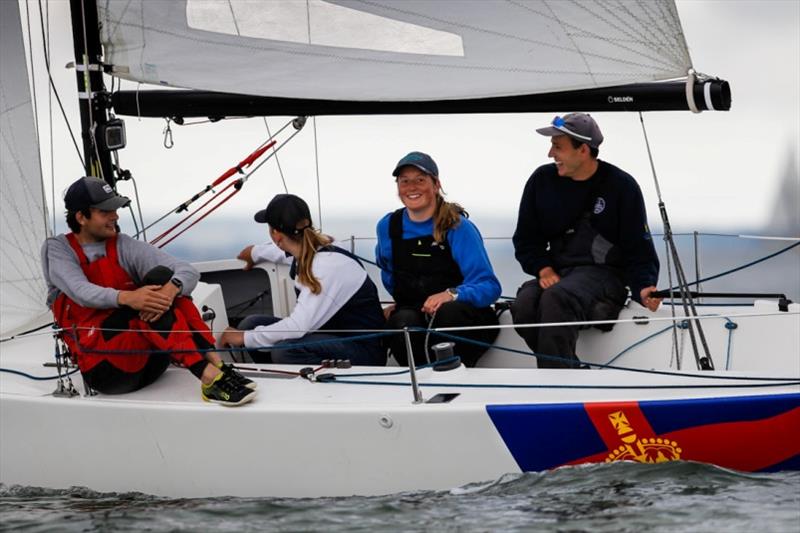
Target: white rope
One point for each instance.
(277, 161)
(765, 238)
(316, 164)
(619, 321)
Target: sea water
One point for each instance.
(618, 497)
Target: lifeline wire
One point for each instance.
(277, 161)
(462, 328)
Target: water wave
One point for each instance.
(619, 497)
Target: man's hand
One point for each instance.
(246, 255)
(171, 291)
(647, 301)
(146, 299)
(548, 277)
(231, 337)
(387, 311)
(435, 301)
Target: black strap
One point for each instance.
(396, 225)
(328, 248)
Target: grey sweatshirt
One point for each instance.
(63, 273)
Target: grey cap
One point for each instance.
(579, 126)
(93, 192)
(421, 160)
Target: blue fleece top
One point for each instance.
(480, 287)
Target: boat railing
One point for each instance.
(708, 257)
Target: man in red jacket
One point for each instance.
(124, 304)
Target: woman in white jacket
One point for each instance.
(333, 290)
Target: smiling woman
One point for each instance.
(434, 264)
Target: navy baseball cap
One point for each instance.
(579, 126)
(93, 192)
(284, 212)
(422, 161)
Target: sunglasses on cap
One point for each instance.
(561, 124)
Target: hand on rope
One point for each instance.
(435, 301)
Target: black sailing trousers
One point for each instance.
(450, 314)
(583, 293)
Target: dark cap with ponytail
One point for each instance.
(284, 213)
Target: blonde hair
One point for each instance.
(446, 216)
(310, 241)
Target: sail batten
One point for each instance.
(413, 50)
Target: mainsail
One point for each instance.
(384, 50)
(23, 219)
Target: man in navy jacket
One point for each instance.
(582, 232)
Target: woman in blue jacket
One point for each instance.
(434, 264)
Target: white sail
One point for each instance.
(23, 220)
(413, 50)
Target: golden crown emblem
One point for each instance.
(646, 450)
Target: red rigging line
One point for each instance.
(237, 187)
(244, 163)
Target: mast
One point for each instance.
(92, 95)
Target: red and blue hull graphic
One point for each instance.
(749, 433)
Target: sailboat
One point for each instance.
(340, 431)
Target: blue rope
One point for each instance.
(36, 378)
(747, 265)
(635, 344)
(352, 338)
(721, 274)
